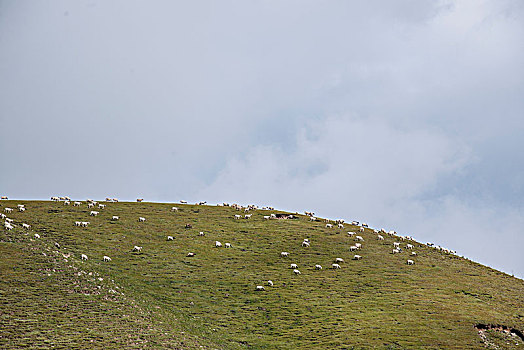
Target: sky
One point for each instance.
(408, 115)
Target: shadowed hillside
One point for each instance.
(161, 297)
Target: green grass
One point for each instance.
(173, 301)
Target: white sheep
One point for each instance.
(395, 251)
(396, 244)
(267, 217)
(284, 254)
(305, 244)
(296, 272)
(84, 223)
(78, 223)
(83, 257)
(8, 210)
(409, 246)
(101, 206)
(115, 218)
(76, 204)
(218, 244)
(248, 216)
(238, 217)
(361, 229)
(411, 262)
(170, 238)
(358, 245)
(137, 249)
(340, 226)
(380, 238)
(353, 248)
(335, 266)
(339, 260)
(37, 235)
(260, 288)
(26, 226)
(227, 245)
(270, 283)
(318, 267)
(141, 219)
(201, 233)
(93, 213)
(174, 209)
(357, 257)
(294, 266)
(359, 238)
(106, 258)
(190, 254)
(413, 253)
(329, 226)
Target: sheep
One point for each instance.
(57, 245)
(141, 219)
(101, 206)
(273, 216)
(183, 202)
(8, 226)
(365, 225)
(201, 233)
(26, 226)
(318, 267)
(115, 218)
(340, 226)
(305, 244)
(339, 260)
(67, 203)
(139, 200)
(357, 257)
(8, 210)
(85, 223)
(380, 238)
(20, 206)
(361, 229)
(312, 219)
(267, 217)
(170, 238)
(93, 213)
(409, 246)
(137, 249)
(227, 245)
(353, 248)
(358, 245)
(8, 220)
(411, 262)
(237, 217)
(270, 283)
(78, 223)
(293, 266)
(396, 244)
(115, 200)
(174, 209)
(329, 226)
(106, 258)
(359, 238)
(296, 272)
(190, 254)
(90, 205)
(76, 204)
(3, 197)
(37, 235)
(248, 216)
(395, 251)
(351, 234)
(83, 257)
(2, 216)
(335, 266)
(218, 244)
(260, 288)
(413, 253)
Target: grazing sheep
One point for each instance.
(170, 238)
(8, 226)
(294, 266)
(305, 244)
(413, 253)
(115, 218)
(238, 217)
(90, 205)
(137, 249)
(296, 272)
(267, 217)
(76, 204)
(340, 226)
(339, 260)
(409, 246)
(359, 238)
(260, 288)
(190, 254)
(174, 209)
(411, 262)
(84, 223)
(270, 283)
(312, 219)
(380, 238)
(357, 257)
(358, 245)
(57, 245)
(101, 206)
(396, 244)
(365, 225)
(248, 216)
(227, 245)
(8, 210)
(141, 219)
(106, 258)
(37, 235)
(78, 223)
(395, 251)
(83, 257)
(201, 233)
(318, 267)
(218, 244)
(353, 248)
(3, 197)
(93, 213)
(284, 254)
(335, 266)
(329, 226)
(361, 229)
(351, 234)
(26, 226)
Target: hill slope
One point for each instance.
(162, 298)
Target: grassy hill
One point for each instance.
(161, 298)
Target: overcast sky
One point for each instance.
(408, 115)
